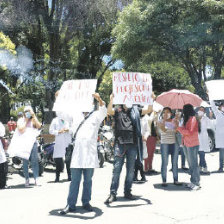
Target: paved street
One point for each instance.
(155, 204)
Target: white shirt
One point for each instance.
(2, 151)
(203, 135)
(62, 140)
(219, 130)
(85, 149)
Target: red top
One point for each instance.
(190, 132)
(11, 125)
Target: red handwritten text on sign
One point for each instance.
(132, 88)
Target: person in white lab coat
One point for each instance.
(219, 131)
(85, 158)
(3, 162)
(61, 130)
(203, 139)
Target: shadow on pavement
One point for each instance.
(79, 213)
(20, 186)
(172, 187)
(122, 199)
(61, 181)
(48, 170)
(152, 173)
(216, 171)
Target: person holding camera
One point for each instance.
(29, 121)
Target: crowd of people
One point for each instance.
(137, 130)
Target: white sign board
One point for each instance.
(132, 88)
(215, 89)
(75, 96)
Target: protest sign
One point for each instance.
(132, 88)
(75, 96)
(215, 89)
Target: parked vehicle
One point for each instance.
(107, 141)
(46, 152)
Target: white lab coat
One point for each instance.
(145, 130)
(219, 130)
(85, 149)
(203, 135)
(62, 140)
(2, 151)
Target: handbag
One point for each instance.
(70, 148)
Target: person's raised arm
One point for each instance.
(110, 109)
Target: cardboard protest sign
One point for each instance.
(132, 88)
(215, 89)
(75, 96)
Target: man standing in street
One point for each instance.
(126, 144)
(85, 157)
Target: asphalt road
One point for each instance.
(155, 205)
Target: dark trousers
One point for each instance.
(139, 167)
(3, 174)
(60, 167)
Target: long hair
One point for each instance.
(165, 108)
(188, 111)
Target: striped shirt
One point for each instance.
(168, 136)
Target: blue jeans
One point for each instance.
(192, 155)
(221, 157)
(167, 149)
(76, 175)
(130, 151)
(202, 161)
(34, 159)
(183, 159)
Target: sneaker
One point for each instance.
(195, 188)
(88, 207)
(36, 183)
(66, 210)
(205, 170)
(27, 183)
(164, 184)
(184, 168)
(129, 196)
(177, 183)
(143, 179)
(201, 168)
(220, 170)
(111, 199)
(190, 185)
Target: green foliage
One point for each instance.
(105, 88)
(6, 43)
(191, 33)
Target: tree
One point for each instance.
(188, 32)
(5, 44)
(68, 38)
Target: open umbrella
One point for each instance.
(176, 99)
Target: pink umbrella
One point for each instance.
(176, 99)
